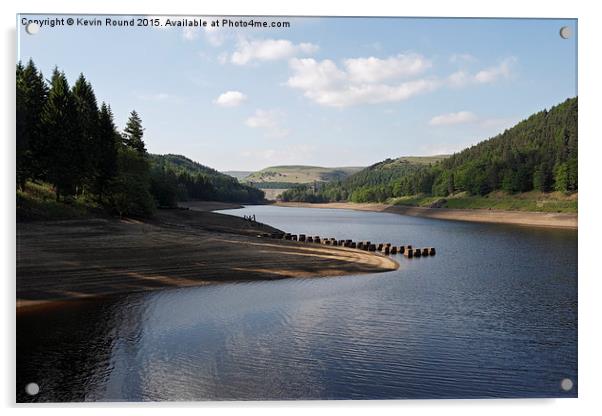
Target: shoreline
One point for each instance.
(63, 261)
(525, 218)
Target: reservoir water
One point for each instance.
(493, 314)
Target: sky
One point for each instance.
(324, 91)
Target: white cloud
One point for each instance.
(326, 84)
(230, 99)
(374, 69)
(373, 80)
(489, 75)
(312, 75)
(503, 70)
(371, 93)
(460, 117)
(268, 50)
(269, 121)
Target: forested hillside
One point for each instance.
(71, 157)
(539, 153)
(177, 178)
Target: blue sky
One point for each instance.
(326, 91)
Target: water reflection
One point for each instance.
(492, 315)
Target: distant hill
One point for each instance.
(539, 153)
(298, 174)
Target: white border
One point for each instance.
(590, 153)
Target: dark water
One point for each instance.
(494, 314)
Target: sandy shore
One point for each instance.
(76, 259)
(538, 219)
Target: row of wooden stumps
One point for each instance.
(385, 248)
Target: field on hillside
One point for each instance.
(300, 174)
(418, 160)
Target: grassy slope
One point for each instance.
(300, 174)
(38, 202)
(529, 201)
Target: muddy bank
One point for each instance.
(538, 219)
(62, 260)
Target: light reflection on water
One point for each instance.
(494, 314)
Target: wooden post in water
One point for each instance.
(408, 252)
(301, 237)
(432, 251)
(394, 250)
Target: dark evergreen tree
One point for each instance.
(31, 94)
(60, 128)
(85, 144)
(133, 132)
(105, 157)
(129, 191)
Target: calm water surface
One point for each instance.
(494, 314)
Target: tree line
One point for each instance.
(539, 153)
(66, 139)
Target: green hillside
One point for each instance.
(179, 178)
(538, 154)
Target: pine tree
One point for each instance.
(32, 92)
(133, 132)
(85, 145)
(129, 194)
(59, 119)
(105, 166)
